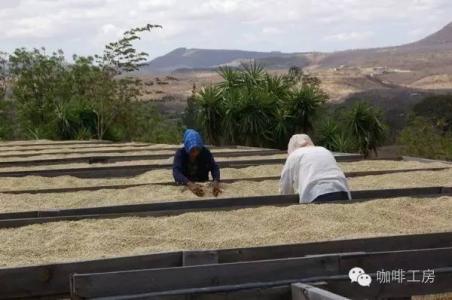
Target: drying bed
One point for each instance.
(88, 239)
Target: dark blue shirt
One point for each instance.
(198, 170)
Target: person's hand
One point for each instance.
(216, 189)
(196, 189)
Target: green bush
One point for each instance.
(423, 139)
(437, 110)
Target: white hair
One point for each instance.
(298, 141)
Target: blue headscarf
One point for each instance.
(192, 139)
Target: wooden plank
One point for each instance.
(238, 292)
(127, 171)
(280, 289)
(126, 186)
(302, 291)
(34, 217)
(51, 280)
(167, 279)
(76, 147)
(16, 219)
(121, 158)
(15, 144)
(308, 268)
(394, 290)
(194, 258)
(425, 160)
(85, 150)
(134, 170)
(387, 243)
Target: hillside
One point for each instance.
(394, 77)
(183, 58)
(434, 51)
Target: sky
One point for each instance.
(84, 26)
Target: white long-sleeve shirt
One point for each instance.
(311, 172)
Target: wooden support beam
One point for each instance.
(117, 149)
(134, 170)
(228, 180)
(443, 278)
(305, 269)
(127, 171)
(121, 158)
(236, 292)
(281, 290)
(16, 219)
(165, 279)
(195, 258)
(52, 280)
(74, 147)
(54, 143)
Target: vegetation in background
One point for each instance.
(437, 110)
(359, 128)
(429, 131)
(253, 107)
(7, 109)
(93, 97)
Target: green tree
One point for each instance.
(4, 78)
(90, 98)
(116, 93)
(39, 90)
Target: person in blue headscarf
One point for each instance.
(193, 163)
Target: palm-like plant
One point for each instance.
(327, 134)
(278, 86)
(253, 107)
(231, 78)
(303, 104)
(210, 114)
(365, 125)
(255, 117)
(341, 143)
(281, 128)
(253, 75)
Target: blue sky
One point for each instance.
(84, 26)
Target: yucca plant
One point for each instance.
(253, 75)
(327, 134)
(302, 105)
(253, 107)
(211, 112)
(231, 78)
(341, 143)
(365, 125)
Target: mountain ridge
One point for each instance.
(411, 55)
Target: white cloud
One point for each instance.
(349, 36)
(84, 26)
(271, 30)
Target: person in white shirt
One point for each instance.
(312, 172)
